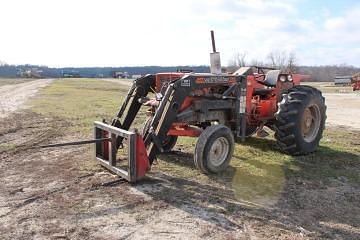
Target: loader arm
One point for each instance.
(131, 105)
(164, 116)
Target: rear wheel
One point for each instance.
(168, 143)
(300, 120)
(214, 149)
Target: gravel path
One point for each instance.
(343, 109)
(12, 97)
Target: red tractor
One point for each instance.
(216, 108)
(355, 82)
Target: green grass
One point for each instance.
(258, 171)
(7, 146)
(80, 102)
(262, 171)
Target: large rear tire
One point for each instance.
(214, 149)
(300, 120)
(168, 143)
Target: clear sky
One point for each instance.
(61, 33)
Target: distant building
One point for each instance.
(70, 74)
(342, 80)
(30, 73)
(117, 74)
(136, 76)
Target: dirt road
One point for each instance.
(12, 97)
(343, 109)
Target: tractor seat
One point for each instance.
(271, 78)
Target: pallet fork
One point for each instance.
(105, 151)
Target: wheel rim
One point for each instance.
(311, 123)
(219, 151)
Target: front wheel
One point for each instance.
(214, 149)
(300, 120)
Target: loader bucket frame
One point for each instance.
(105, 152)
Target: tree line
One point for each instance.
(287, 62)
(280, 60)
(13, 71)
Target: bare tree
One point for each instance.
(291, 62)
(277, 59)
(241, 59)
(283, 60)
(255, 62)
(238, 60)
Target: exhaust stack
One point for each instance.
(215, 63)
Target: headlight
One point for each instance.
(289, 78)
(282, 78)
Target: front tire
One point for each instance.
(300, 120)
(214, 149)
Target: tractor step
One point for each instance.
(106, 151)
